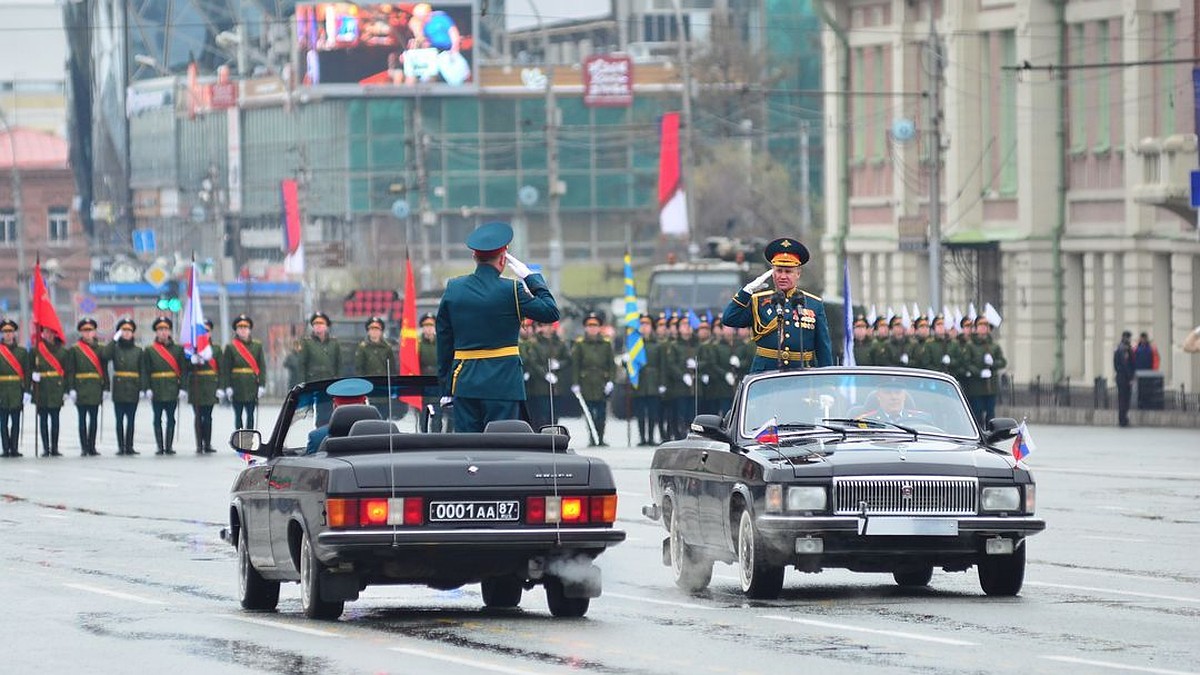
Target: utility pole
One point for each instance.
(552, 217)
(18, 224)
(685, 170)
(425, 215)
(805, 201)
(934, 52)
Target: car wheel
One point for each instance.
(501, 592)
(256, 592)
(692, 572)
(760, 580)
(560, 605)
(310, 586)
(1003, 574)
(915, 576)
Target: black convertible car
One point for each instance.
(868, 469)
(507, 508)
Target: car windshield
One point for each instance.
(313, 407)
(875, 401)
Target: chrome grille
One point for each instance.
(903, 495)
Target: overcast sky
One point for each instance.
(519, 14)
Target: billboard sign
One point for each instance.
(608, 81)
(348, 47)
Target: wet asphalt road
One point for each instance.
(114, 565)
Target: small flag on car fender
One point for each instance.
(1023, 443)
(768, 434)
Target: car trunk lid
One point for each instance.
(467, 469)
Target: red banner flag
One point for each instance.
(44, 316)
(672, 202)
(290, 193)
(410, 358)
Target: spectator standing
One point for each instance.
(1145, 354)
(1123, 364)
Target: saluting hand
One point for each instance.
(519, 268)
(754, 285)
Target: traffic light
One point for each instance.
(168, 299)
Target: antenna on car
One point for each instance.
(554, 454)
(391, 447)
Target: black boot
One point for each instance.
(158, 440)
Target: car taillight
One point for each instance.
(414, 510)
(571, 509)
(374, 512)
(604, 509)
(535, 510)
(341, 512)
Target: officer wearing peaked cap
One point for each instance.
(166, 369)
(128, 381)
(432, 416)
(14, 386)
(242, 364)
(787, 324)
(87, 382)
(205, 384)
(478, 322)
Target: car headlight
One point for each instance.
(1000, 498)
(806, 498)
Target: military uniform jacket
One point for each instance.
(238, 372)
(478, 324)
(862, 353)
(128, 380)
(674, 365)
(14, 382)
(936, 351)
(205, 378)
(713, 360)
(536, 362)
(319, 359)
(165, 376)
(87, 377)
(49, 392)
(650, 376)
(427, 354)
(374, 358)
(594, 366)
(805, 333)
(973, 358)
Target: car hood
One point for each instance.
(459, 469)
(866, 457)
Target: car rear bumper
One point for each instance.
(534, 540)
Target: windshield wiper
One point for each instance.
(871, 421)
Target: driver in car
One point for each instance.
(891, 403)
(343, 392)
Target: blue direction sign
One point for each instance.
(1196, 189)
(143, 241)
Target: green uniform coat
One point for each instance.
(164, 383)
(88, 384)
(49, 392)
(238, 374)
(320, 359)
(594, 365)
(13, 385)
(205, 378)
(376, 358)
(976, 349)
(128, 380)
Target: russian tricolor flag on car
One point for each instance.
(194, 337)
(1023, 443)
(768, 434)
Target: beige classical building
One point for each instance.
(1068, 131)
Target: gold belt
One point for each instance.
(126, 373)
(87, 376)
(204, 373)
(9, 378)
(469, 354)
(243, 371)
(50, 373)
(787, 354)
(163, 374)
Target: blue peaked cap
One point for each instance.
(350, 387)
(490, 237)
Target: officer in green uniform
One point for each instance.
(205, 386)
(548, 358)
(592, 356)
(49, 388)
(87, 383)
(320, 358)
(803, 339)
(242, 368)
(862, 341)
(128, 381)
(645, 394)
(716, 380)
(432, 417)
(938, 354)
(960, 354)
(377, 356)
(672, 385)
(985, 360)
(165, 367)
(477, 324)
(894, 351)
(921, 351)
(14, 387)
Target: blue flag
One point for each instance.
(693, 320)
(635, 347)
(848, 317)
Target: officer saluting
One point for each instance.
(803, 340)
(478, 322)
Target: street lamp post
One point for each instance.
(18, 224)
(552, 216)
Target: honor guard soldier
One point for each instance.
(802, 341)
(675, 388)
(477, 325)
(862, 341)
(547, 364)
(716, 379)
(431, 410)
(984, 362)
(243, 368)
(595, 369)
(128, 381)
(320, 357)
(645, 394)
(205, 386)
(377, 356)
(87, 383)
(14, 387)
(165, 366)
(49, 388)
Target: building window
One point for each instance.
(59, 225)
(1103, 86)
(858, 132)
(1167, 121)
(1078, 91)
(1008, 117)
(8, 227)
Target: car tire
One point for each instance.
(760, 580)
(502, 592)
(914, 577)
(1003, 575)
(691, 571)
(310, 586)
(560, 605)
(256, 593)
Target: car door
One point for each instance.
(252, 493)
(720, 472)
(291, 483)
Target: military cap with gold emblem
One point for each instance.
(375, 322)
(243, 320)
(161, 321)
(126, 322)
(966, 322)
(319, 317)
(428, 319)
(920, 321)
(786, 252)
(86, 322)
(860, 320)
(896, 321)
(8, 324)
(592, 319)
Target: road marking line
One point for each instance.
(668, 603)
(873, 631)
(482, 665)
(284, 626)
(115, 594)
(1117, 666)
(1113, 591)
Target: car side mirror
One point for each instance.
(999, 428)
(711, 426)
(555, 430)
(246, 440)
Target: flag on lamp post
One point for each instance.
(672, 201)
(410, 359)
(44, 315)
(193, 334)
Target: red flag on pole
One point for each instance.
(44, 315)
(410, 359)
(672, 201)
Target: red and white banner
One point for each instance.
(193, 334)
(608, 81)
(672, 202)
(293, 245)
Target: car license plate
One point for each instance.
(491, 511)
(921, 527)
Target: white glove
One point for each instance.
(623, 360)
(762, 279)
(229, 393)
(72, 395)
(37, 377)
(196, 359)
(117, 335)
(904, 359)
(687, 379)
(107, 395)
(704, 379)
(526, 377)
(551, 378)
(575, 389)
(985, 374)
(183, 396)
(446, 401)
(261, 391)
(220, 394)
(554, 364)
(64, 398)
(608, 388)
(735, 361)
(27, 398)
(519, 268)
(946, 359)
(691, 364)
(730, 379)
(147, 394)
(662, 389)
(987, 359)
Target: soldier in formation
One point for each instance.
(14, 387)
(49, 388)
(433, 418)
(242, 365)
(595, 369)
(87, 383)
(205, 386)
(128, 381)
(165, 367)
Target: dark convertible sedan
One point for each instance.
(507, 508)
(868, 469)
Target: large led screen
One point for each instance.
(398, 45)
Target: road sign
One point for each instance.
(143, 241)
(400, 209)
(1196, 189)
(156, 276)
(87, 305)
